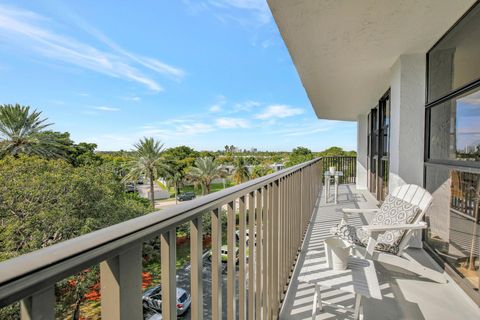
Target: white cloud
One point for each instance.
(26, 30)
(106, 109)
(56, 101)
(304, 132)
(244, 12)
(231, 123)
(246, 106)
(194, 129)
(278, 111)
(257, 8)
(215, 108)
(176, 129)
(133, 98)
(218, 105)
(306, 127)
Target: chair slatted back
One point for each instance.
(415, 195)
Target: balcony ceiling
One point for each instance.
(343, 50)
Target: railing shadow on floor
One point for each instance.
(298, 301)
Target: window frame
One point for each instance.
(460, 165)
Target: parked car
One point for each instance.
(130, 187)
(151, 314)
(247, 235)
(140, 180)
(224, 254)
(185, 196)
(152, 298)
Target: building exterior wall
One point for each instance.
(362, 168)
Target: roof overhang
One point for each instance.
(344, 50)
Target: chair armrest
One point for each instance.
(407, 226)
(375, 231)
(346, 210)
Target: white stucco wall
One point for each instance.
(407, 86)
(362, 127)
(407, 94)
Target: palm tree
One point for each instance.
(205, 171)
(22, 132)
(174, 178)
(260, 171)
(147, 161)
(240, 172)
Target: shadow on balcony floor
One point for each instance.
(405, 295)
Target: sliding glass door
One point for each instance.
(378, 147)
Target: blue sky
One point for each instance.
(200, 73)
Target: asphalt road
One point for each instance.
(183, 281)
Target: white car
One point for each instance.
(152, 298)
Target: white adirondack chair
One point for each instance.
(412, 194)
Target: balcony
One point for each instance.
(405, 295)
(286, 213)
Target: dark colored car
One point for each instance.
(130, 187)
(185, 196)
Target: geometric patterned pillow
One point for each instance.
(393, 211)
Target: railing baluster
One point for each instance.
(286, 227)
(121, 285)
(196, 278)
(216, 264)
(267, 222)
(251, 255)
(270, 276)
(301, 199)
(281, 235)
(275, 249)
(168, 249)
(242, 260)
(231, 262)
(39, 306)
(260, 244)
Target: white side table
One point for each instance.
(359, 278)
(327, 177)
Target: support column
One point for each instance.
(362, 132)
(407, 124)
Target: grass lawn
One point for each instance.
(214, 187)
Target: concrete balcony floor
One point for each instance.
(405, 295)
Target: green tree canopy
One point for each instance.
(336, 151)
(46, 201)
(299, 155)
(260, 171)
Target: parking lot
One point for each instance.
(183, 281)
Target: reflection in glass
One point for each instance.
(455, 129)
(454, 219)
(453, 62)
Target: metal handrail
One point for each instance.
(31, 272)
